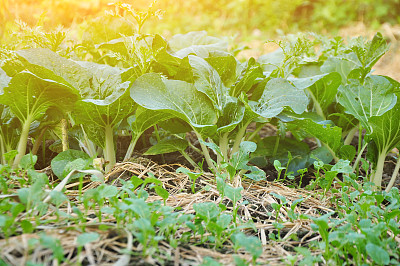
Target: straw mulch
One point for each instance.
(110, 248)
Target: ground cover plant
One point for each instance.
(310, 192)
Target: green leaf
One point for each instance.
(241, 158)
(251, 243)
(208, 81)
(177, 97)
(255, 174)
(49, 65)
(347, 152)
(28, 161)
(251, 75)
(29, 96)
(167, 146)
(386, 129)
(378, 254)
(60, 162)
(234, 194)
(370, 52)
(144, 119)
(300, 151)
(277, 95)
(87, 238)
(107, 191)
(322, 130)
(341, 65)
(196, 42)
(206, 210)
(4, 80)
(342, 166)
(373, 98)
(224, 220)
(226, 66)
(232, 115)
(192, 175)
(323, 89)
(162, 192)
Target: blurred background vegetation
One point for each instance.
(243, 18)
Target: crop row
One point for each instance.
(311, 86)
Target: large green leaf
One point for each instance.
(373, 98)
(385, 129)
(340, 64)
(29, 96)
(278, 94)
(144, 119)
(368, 53)
(322, 88)
(107, 101)
(227, 67)
(167, 146)
(177, 97)
(4, 80)
(60, 162)
(322, 130)
(49, 65)
(196, 42)
(232, 114)
(251, 74)
(208, 81)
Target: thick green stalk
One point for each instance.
(350, 136)
(335, 158)
(23, 139)
(190, 160)
(2, 150)
(131, 147)
(377, 177)
(206, 153)
(38, 141)
(254, 133)
(360, 152)
(109, 152)
(239, 137)
(64, 130)
(317, 106)
(223, 146)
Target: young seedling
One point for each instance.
(192, 175)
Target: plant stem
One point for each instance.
(109, 152)
(239, 138)
(360, 152)
(360, 129)
(276, 146)
(377, 177)
(206, 153)
(394, 176)
(190, 160)
(2, 150)
(64, 130)
(194, 148)
(131, 147)
(22, 141)
(88, 146)
(223, 146)
(254, 133)
(317, 106)
(350, 136)
(38, 141)
(335, 158)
